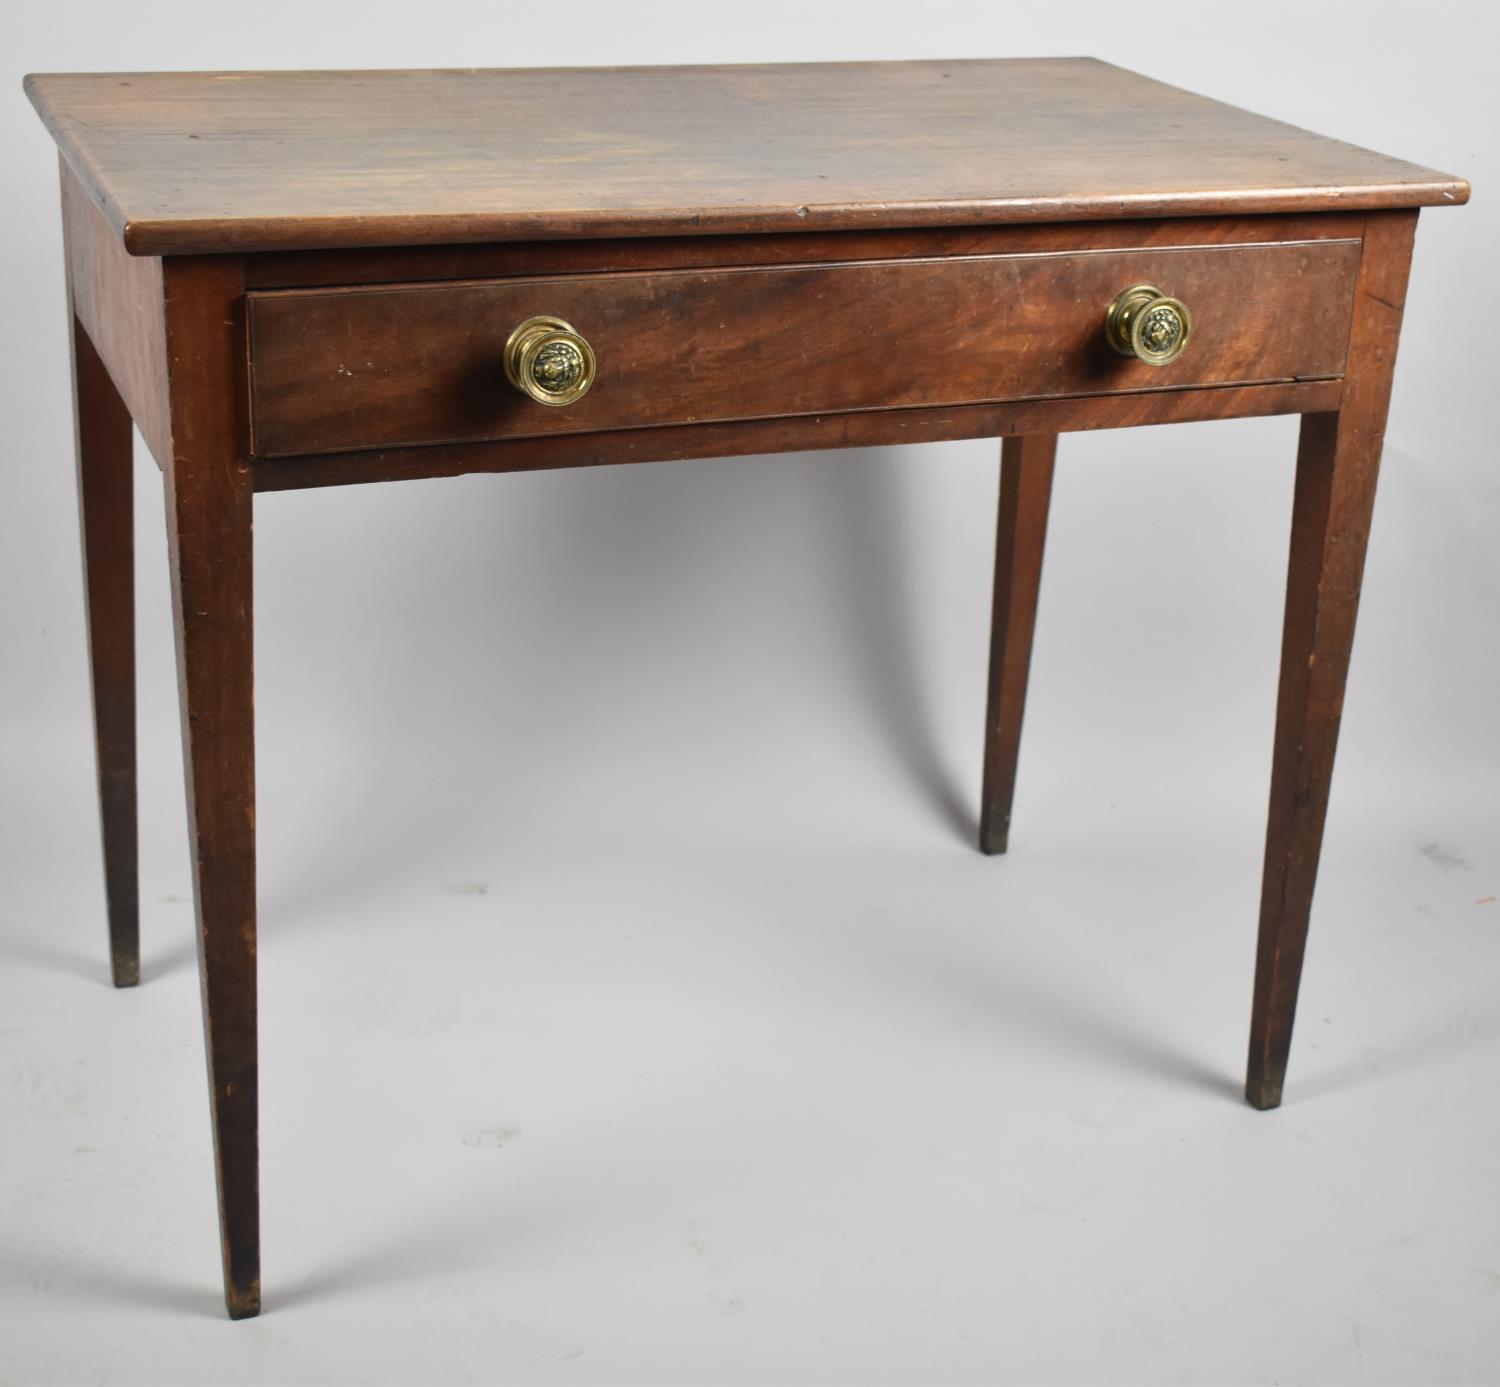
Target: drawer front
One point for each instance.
(405, 365)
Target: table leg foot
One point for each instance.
(243, 1302)
(1263, 1093)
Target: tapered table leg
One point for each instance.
(208, 496)
(1337, 464)
(106, 515)
(1025, 493)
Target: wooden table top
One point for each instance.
(245, 161)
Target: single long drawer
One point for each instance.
(404, 365)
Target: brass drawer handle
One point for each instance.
(1144, 323)
(546, 359)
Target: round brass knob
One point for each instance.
(546, 359)
(1144, 323)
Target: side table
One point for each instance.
(298, 279)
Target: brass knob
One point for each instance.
(1144, 323)
(546, 359)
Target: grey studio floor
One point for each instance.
(635, 1008)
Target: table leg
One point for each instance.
(1025, 493)
(208, 520)
(1337, 464)
(106, 513)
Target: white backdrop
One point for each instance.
(635, 1007)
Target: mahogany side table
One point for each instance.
(297, 279)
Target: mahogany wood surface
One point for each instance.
(106, 515)
(510, 259)
(1338, 461)
(1026, 465)
(194, 162)
(872, 429)
(385, 367)
(208, 498)
(118, 299)
(947, 238)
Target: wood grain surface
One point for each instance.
(949, 235)
(119, 301)
(106, 520)
(874, 429)
(1338, 462)
(195, 162)
(209, 543)
(343, 370)
(513, 259)
(1026, 467)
